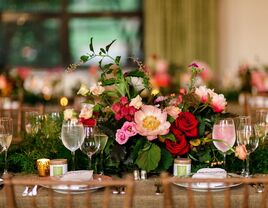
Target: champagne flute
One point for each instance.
(262, 123)
(72, 136)
(223, 135)
(103, 138)
(30, 122)
(247, 136)
(91, 143)
(6, 131)
(240, 123)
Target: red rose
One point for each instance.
(88, 122)
(187, 123)
(180, 147)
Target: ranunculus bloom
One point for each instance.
(187, 123)
(86, 111)
(123, 100)
(151, 121)
(83, 90)
(129, 128)
(136, 102)
(181, 146)
(68, 114)
(173, 111)
(241, 152)
(218, 103)
(97, 89)
(116, 107)
(121, 137)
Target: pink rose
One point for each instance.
(241, 152)
(121, 137)
(129, 128)
(173, 111)
(218, 103)
(204, 93)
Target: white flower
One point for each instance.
(137, 83)
(68, 114)
(136, 102)
(204, 93)
(83, 90)
(86, 111)
(97, 89)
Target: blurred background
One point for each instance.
(40, 38)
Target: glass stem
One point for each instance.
(5, 169)
(73, 160)
(224, 160)
(101, 163)
(89, 162)
(247, 166)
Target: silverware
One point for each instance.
(33, 192)
(259, 187)
(25, 192)
(158, 190)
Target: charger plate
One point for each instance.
(195, 187)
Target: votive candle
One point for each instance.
(43, 167)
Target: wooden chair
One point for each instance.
(48, 198)
(18, 116)
(209, 199)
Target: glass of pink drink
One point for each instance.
(223, 135)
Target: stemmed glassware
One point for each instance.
(223, 135)
(6, 131)
(72, 136)
(262, 123)
(91, 143)
(103, 138)
(247, 136)
(240, 123)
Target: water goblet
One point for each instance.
(247, 136)
(91, 143)
(6, 131)
(223, 135)
(72, 136)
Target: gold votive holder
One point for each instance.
(43, 167)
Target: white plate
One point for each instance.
(1, 181)
(77, 189)
(195, 187)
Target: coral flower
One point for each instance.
(151, 122)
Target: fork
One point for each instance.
(25, 192)
(33, 192)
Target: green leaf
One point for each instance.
(205, 157)
(138, 146)
(102, 50)
(148, 159)
(84, 58)
(109, 45)
(201, 127)
(97, 108)
(136, 73)
(170, 119)
(169, 136)
(91, 45)
(117, 60)
(166, 160)
(121, 88)
(108, 82)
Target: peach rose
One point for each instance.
(241, 152)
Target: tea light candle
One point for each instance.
(43, 167)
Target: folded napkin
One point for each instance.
(79, 176)
(210, 173)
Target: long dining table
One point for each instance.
(144, 196)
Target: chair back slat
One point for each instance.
(70, 199)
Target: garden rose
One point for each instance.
(86, 111)
(121, 137)
(187, 123)
(97, 89)
(241, 152)
(181, 146)
(218, 103)
(173, 111)
(88, 122)
(83, 90)
(129, 128)
(204, 93)
(136, 102)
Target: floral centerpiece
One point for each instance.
(147, 130)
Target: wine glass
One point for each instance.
(72, 136)
(31, 126)
(247, 136)
(91, 143)
(6, 131)
(240, 122)
(223, 135)
(262, 123)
